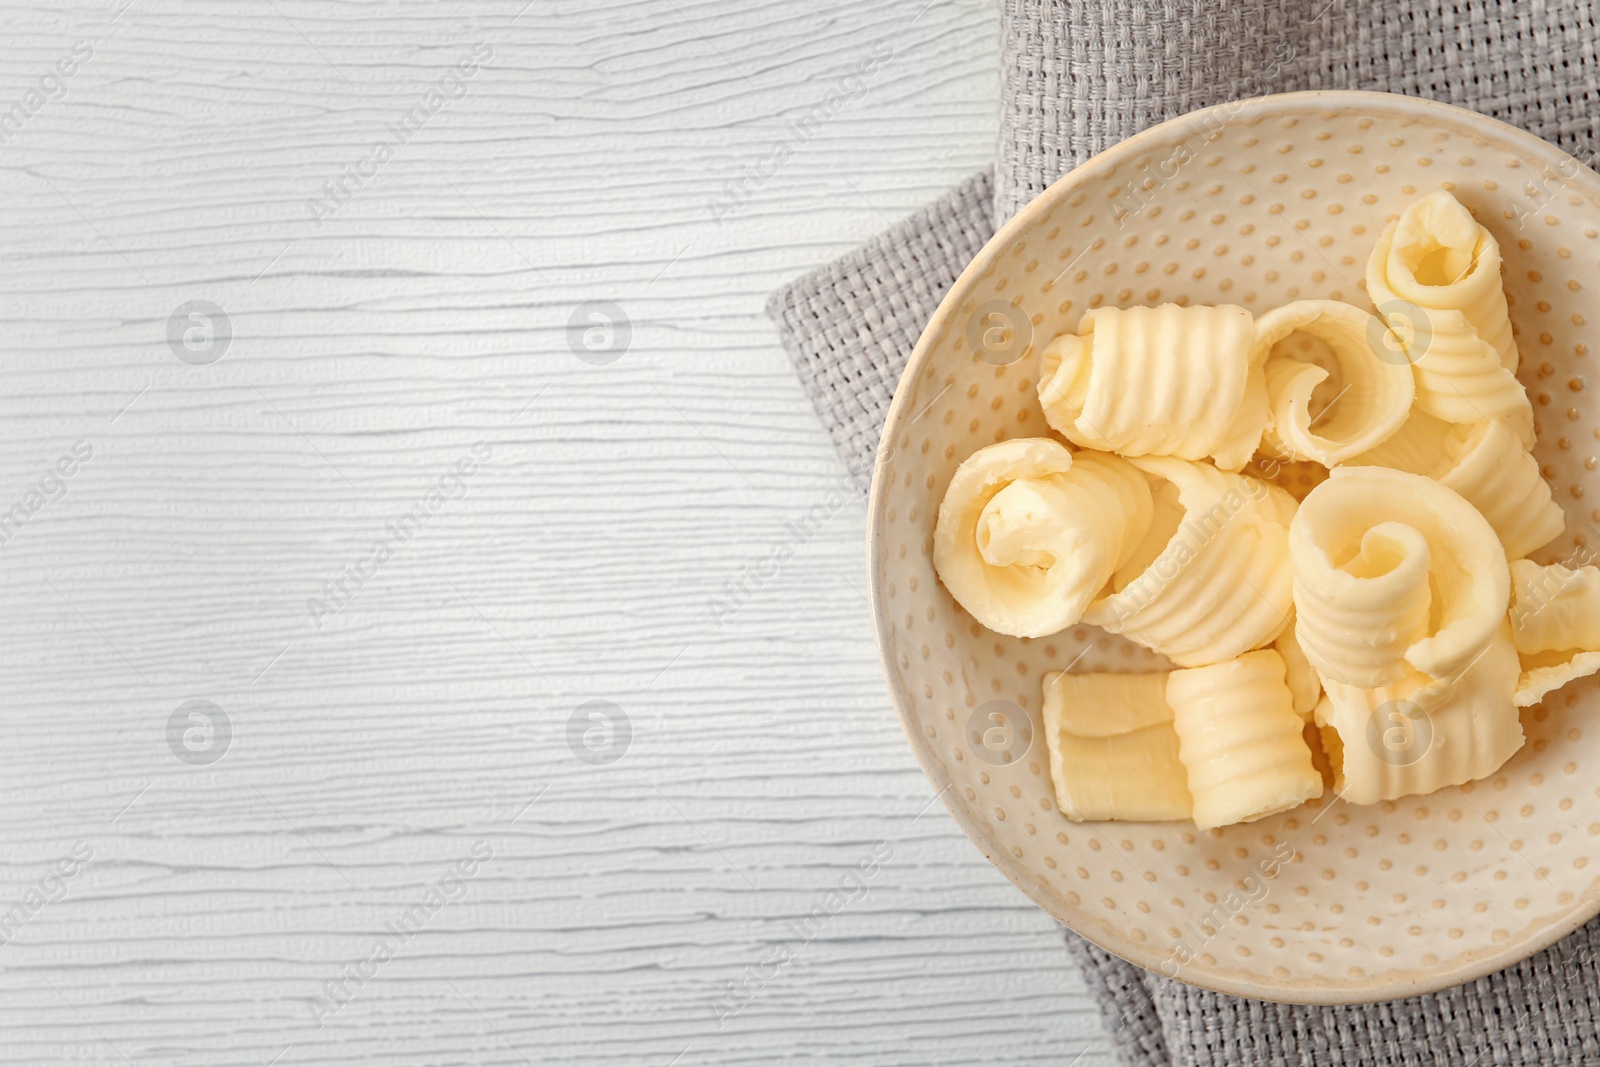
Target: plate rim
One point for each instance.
(1587, 904)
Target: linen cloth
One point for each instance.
(1076, 77)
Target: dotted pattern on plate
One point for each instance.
(1379, 901)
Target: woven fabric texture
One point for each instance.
(1077, 76)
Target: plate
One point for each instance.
(1256, 203)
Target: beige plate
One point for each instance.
(1255, 203)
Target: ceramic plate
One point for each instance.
(1255, 203)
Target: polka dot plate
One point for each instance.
(1254, 203)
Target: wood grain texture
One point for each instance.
(375, 748)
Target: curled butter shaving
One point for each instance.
(1164, 381)
(1304, 684)
(1435, 278)
(1334, 388)
(1393, 572)
(1437, 257)
(1029, 533)
(1210, 579)
(1555, 623)
(1486, 463)
(1240, 740)
(1423, 733)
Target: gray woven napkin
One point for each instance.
(1076, 77)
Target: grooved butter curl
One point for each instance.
(1393, 573)
(1029, 533)
(1211, 579)
(1333, 395)
(1161, 381)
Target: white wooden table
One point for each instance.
(387, 851)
